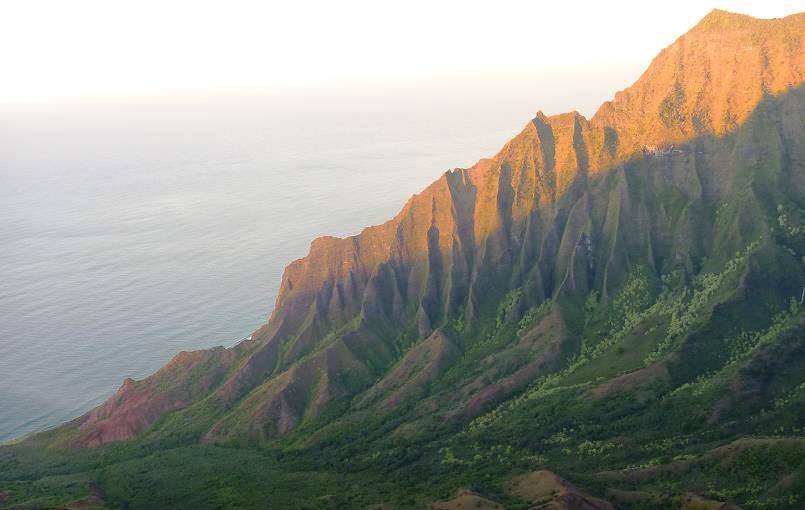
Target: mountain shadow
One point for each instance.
(614, 301)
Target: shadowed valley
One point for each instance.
(605, 314)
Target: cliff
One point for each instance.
(675, 175)
(615, 301)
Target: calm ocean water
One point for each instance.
(132, 231)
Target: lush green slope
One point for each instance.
(616, 300)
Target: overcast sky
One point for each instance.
(68, 49)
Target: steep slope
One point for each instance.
(596, 298)
(568, 206)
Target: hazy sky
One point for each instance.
(77, 48)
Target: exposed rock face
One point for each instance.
(567, 206)
(709, 81)
(137, 404)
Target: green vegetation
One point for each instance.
(637, 330)
(659, 435)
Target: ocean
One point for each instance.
(131, 230)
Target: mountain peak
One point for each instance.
(541, 219)
(708, 80)
(596, 297)
(433, 261)
(719, 18)
(724, 18)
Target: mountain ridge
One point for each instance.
(599, 296)
(462, 223)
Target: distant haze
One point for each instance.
(55, 49)
(132, 230)
(160, 163)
